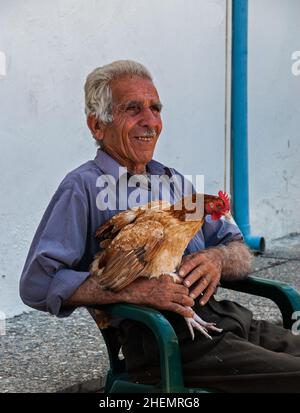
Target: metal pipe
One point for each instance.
(239, 123)
(228, 81)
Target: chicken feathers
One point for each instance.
(147, 241)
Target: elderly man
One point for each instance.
(124, 115)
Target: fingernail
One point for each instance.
(192, 296)
(187, 283)
(201, 302)
(181, 273)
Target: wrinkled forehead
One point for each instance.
(133, 88)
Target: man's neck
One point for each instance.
(132, 167)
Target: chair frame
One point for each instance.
(118, 381)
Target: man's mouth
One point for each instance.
(144, 138)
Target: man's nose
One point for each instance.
(149, 118)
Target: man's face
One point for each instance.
(136, 113)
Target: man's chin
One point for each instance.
(146, 159)
(144, 156)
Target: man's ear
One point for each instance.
(96, 127)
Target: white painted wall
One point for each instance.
(274, 117)
(50, 48)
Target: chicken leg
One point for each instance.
(195, 322)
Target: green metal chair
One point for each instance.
(118, 381)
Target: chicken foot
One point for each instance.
(195, 322)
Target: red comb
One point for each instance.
(225, 197)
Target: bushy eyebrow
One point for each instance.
(158, 104)
(140, 103)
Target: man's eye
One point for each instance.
(156, 108)
(133, 109)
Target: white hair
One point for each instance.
(98, 94)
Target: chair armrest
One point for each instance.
(285, 296)
(170, 361)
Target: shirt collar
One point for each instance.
(110, 166)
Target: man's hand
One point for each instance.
(161, 293)
(202, 270)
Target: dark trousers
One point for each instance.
(248, 356)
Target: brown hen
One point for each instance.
(150, 240)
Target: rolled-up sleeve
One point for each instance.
(50, 274)
(220, 232)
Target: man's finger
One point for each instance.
(179, 309)
(189, 265)
(202, 285)
(207, 294)
(181, 289)
(183, 300)
(195, 275)
(188, 257)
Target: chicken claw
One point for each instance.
(197, 323)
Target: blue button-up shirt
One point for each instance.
(64, 244)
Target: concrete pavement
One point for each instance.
(41, 353)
